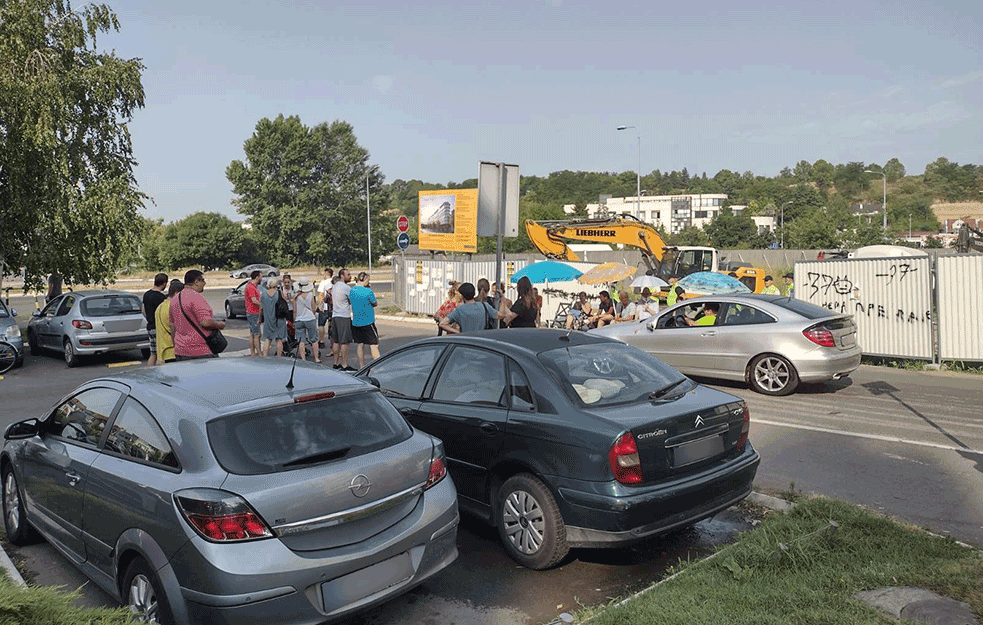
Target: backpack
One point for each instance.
(282, 311)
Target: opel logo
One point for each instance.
(699, 421)
(360, 485)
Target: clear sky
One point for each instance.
(433, 88)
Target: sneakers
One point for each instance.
(336, 366)
(349, 369)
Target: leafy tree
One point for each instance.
(730, 231)
(934, 243)
(209, 240)
(811, 232)
(304, 190)
(822, 174)
(894, 169)
(850, 179)
(803, 171)
(690, 235)
(66, 159)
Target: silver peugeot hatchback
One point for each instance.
(233, 491)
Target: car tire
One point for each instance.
(143, 594)
(228, 311)
(771, 374)
(33, 344)
(530, 524)
(15, 523)
(271, 274)
(71, 358)
(145, 352)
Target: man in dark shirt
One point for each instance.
(151, 300)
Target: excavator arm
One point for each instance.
(551, 237)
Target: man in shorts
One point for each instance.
(252, 313)
(324, 307)
(364, 332)
(341, 320)
(151, 300)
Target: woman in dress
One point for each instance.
(273, 329)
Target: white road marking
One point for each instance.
(876, 437)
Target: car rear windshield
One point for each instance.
(807, 310)
(303, 434)
(110, 306)
(604, 374)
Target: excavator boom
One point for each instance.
(550, 237)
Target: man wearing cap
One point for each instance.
(305, 321)
(790, 284)
(363, 301)
(770, 288)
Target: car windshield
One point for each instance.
(807, 310)
(299, 435)
(110, 306)
(608, 374)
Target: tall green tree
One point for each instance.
(894, 169)
(209, 240)
(730, 231)
(304, 190)
(66, 160)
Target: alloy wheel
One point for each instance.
(11, 502)
(142, 600)
(772, 374)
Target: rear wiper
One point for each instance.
(665, 389)
(318, 457)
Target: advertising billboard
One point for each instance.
(449, 220)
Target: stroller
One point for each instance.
(290, 345)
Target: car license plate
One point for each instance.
(349, 588)
(688, 453)
(849, 340)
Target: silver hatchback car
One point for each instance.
(82, 323)
(770, 342)
(233, 491)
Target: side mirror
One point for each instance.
(13, 312)
(22, 429)
(374, 382)
(650, 326)
(36, 313)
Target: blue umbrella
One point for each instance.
(547, 271)
(712, 283)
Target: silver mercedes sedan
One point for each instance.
(770, 342)
(233, 490)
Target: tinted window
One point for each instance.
(66, 305)
(300, 435)
(606, 374)
(519, 389)
(742, 315)
(83, 417)
(472, 376)
(110, 306)
(807, 310)
(406, 373)
(136, 434)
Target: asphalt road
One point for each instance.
(908, 444)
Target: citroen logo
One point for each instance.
(699, 421)
(360, 485)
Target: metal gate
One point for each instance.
(960, 310)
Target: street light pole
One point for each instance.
(883, 194)
(638, 174)
(368, 220)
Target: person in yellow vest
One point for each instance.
(790, 285)
(709, 315)
(674, 291)
(770, 288)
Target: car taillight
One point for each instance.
(625, 464)
(438, 468)
(81, 324)
(220, 516)
(745, 428)
(820, 336)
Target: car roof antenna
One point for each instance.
(290, 382)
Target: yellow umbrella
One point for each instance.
(608, 272)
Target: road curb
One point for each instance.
(10, 569)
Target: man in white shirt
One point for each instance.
(648, 306)
(628, 310)
(324, 309)
(341, 320)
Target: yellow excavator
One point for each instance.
(663, 261)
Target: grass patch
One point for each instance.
(43, 605)
(803, 567)
(919, 365)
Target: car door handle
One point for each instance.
(73, 478)
(488, 428)
(710, 333)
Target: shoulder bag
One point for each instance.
(215, 340)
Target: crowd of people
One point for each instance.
(282, 316)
